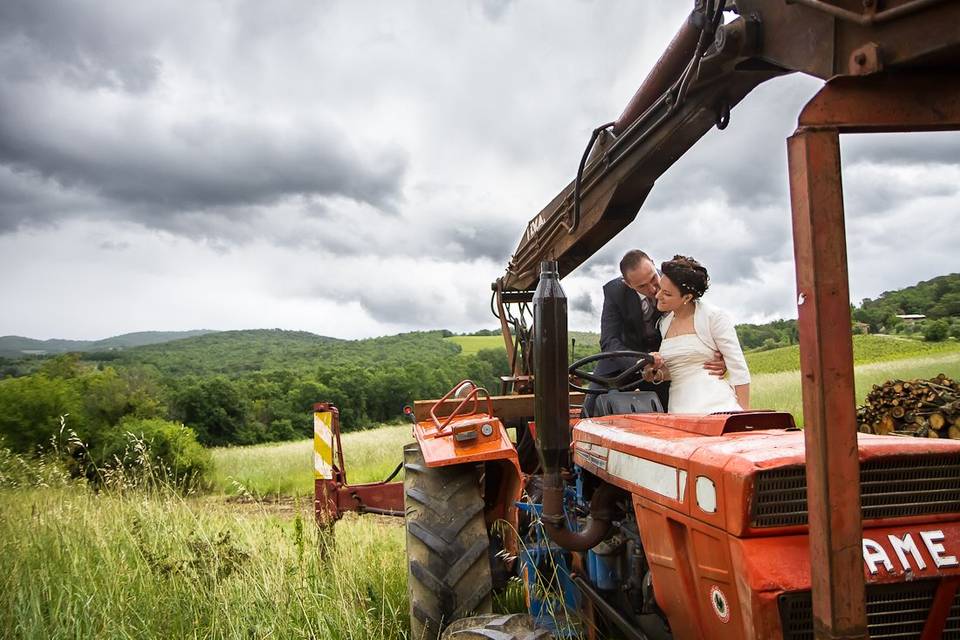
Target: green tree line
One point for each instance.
(937, 299)
(245, 387)
(241, 387)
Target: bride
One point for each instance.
(692, 331)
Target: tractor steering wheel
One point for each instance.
(624, 381)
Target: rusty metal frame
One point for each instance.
(501, 313)
(505, 407)
(870, 16)
(881, 103)
(334, 496)
(333, 499)
(940, 610)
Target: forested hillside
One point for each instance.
(235, 352)
(235, 387)
(18, 346)
(241, 387)
(938, 299)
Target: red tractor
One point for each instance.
(636, 523)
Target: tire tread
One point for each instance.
(449, 573)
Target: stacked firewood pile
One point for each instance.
(921, 408)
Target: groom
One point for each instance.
(629, 323)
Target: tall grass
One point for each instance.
(77, 564)
(287, 468)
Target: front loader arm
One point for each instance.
(707, 69)
(691, 89)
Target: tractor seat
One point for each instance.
(613, 403)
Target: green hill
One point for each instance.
(143, 338)
(236, 387)
(936, 298)
(18, 346)
(227, 352)
(237, 353)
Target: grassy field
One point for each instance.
(287, 468)
(586, 340)
(473, 344)
(76, 564)
(866, 349)
(782, 390)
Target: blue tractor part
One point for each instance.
(552, 598)
(546, 568)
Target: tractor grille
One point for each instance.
(894, 487)
(893, 611)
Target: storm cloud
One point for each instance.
(90, 109)
(83, 44)
(360, 169)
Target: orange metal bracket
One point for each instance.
(886, 102)
(474, 394)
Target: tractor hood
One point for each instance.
(744, 472)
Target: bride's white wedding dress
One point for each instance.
(692, 388)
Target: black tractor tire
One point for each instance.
(515, 626)
(448, 563)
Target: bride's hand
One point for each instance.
(657, 360)
(656, 376)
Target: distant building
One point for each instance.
(910, 318)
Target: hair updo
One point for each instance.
(689, 275)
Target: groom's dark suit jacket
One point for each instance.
(627, 323)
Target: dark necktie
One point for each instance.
(647, 308)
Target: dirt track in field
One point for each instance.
(290, 506)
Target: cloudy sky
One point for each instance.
(363, 168)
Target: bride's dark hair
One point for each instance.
(689, 275)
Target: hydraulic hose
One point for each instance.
(668, 69)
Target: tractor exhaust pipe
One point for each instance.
(552, 415)
(550, 385)
(555, 522)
